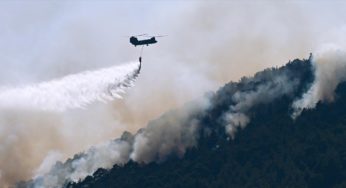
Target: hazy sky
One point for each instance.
(41, 40)
(209, 43)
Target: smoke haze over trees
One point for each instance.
(182, 130)
(274, 150)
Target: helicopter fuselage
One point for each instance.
(136, 42)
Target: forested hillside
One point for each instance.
(272, 151)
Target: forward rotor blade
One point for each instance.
(135, 35)
(141, 35)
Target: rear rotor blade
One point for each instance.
(158, 36)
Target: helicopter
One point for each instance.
(152, 40)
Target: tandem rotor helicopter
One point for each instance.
(152, 40)
(149, 40)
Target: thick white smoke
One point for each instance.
(73, 91)
(264, 92)
(100, 156)
(174, 132)
(330, 70)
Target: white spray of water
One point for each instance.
(73, 91)
(330, 70)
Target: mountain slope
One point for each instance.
(272, 151)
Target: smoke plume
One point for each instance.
(261, 91)
(329, 70)
(172, 133)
